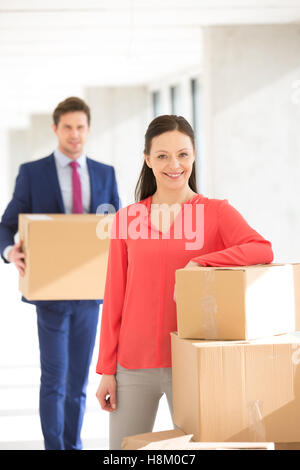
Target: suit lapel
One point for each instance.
(54, 183)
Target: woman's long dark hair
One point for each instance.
(146, 185)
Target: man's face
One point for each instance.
(72, 132)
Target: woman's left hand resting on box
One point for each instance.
(189, 265)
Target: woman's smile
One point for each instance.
(173, 175)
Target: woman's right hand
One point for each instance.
(106, 393)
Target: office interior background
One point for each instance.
(231, 67)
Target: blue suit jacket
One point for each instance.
(37, 190)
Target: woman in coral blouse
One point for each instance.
(169, 227)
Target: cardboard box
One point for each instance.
(237, 391)
(296, 274)
(184, 443)
(178, 440)
(237, 303)
(287, 445)
(140, 440)
(65, 259)
(169, 440)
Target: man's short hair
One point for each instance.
(70, 105)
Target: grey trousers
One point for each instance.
(138, 395)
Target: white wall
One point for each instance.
(18, 151)
(252, 123)
(23, 144)
(4, 182)
(42, 140)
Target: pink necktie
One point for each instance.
(76, 184)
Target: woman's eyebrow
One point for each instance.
(157, 151)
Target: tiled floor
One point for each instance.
(19, 378)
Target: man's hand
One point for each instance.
(106, 393)
(16, 257)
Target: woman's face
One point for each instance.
(171, 158)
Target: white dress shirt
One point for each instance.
(64, 173)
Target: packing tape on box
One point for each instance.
(256, 425)
(208, 305)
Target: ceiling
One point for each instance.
(52, 49)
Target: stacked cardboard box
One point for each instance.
(168, 440)
(177, 440)
(237, 303)
(66, 255)
(248, 389)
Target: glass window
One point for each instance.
(197, 123)
(156, 103)
(175, 99)
(195, 92)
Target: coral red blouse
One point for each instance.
(139, 310)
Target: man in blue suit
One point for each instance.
(64, 182)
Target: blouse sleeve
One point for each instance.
(243, 245)
(114, 294)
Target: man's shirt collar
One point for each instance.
(63, 160)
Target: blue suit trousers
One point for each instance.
(66, 341)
